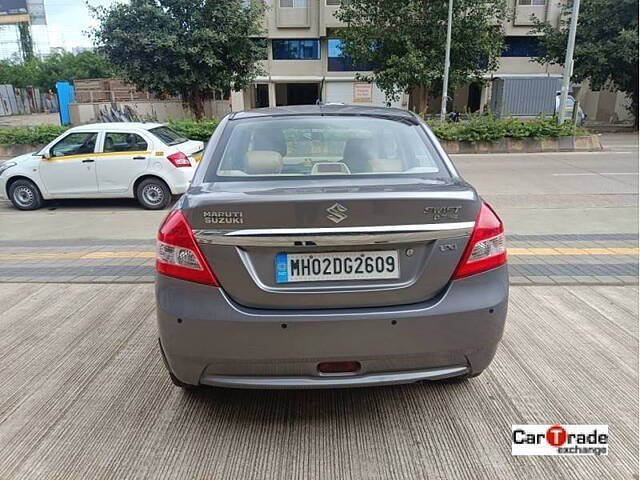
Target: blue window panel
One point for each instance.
(521, 47)
(337, 62)
(296, 49)
(335, 48)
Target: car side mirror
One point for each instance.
(45, 153)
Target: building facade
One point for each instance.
(522, 86)
(304, 64)
(23, 11)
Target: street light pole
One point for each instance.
(447, 56)
(568, 61)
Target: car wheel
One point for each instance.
(153, 194)
(24, 195)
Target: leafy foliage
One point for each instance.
(42, 134)
(195, 130)
(478, 128)
(606, 49)
(491, 128)
(183, 47)
(405, 40)
(26, 42)
(31, 135)
(44, 73)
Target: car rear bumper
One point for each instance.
(179, 179)
(3, 187)
(207, 338)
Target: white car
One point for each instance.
(146, 161)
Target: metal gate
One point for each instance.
(524, 96)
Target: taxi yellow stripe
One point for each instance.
(98, 154)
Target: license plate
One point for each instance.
(315, 267)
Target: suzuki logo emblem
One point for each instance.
(337, 213)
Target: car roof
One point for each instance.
(116, 126)
(328, 109)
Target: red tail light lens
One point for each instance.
(178, 254)
(179, 159)
(486, 248)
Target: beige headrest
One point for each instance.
(389, 165)
(263, 162)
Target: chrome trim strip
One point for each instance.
(334, 236)
(391, 378)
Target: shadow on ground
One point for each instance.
(87, 204)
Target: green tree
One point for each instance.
(186, 47)
(69, 67)
(405, 41)
(44, 73)
(26, 42)
(606, 49)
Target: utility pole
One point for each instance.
(568, 61)
(447, 56)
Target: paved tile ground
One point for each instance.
(31, 119)
(534, 259)
(85, 395)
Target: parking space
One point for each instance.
(85, 395)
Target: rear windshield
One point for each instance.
(314, 146)
(168, 136)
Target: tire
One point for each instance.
(153, 194)
(24, 195)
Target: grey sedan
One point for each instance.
(328, 246)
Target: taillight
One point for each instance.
(179, 159)
(486, 248)
(178, 254)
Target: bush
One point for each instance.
(195, 130)
(35, 135)
(42, 134)
(478, 128)
(490, 128)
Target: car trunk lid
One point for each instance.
(192, 149)
(244, 228)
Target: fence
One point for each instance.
(141, 110)
(21, 101)
(98, 90)
(110, 99)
